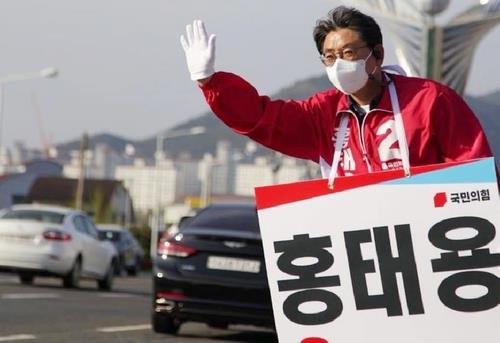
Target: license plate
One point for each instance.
(233, 264)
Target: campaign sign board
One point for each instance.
(385, 258)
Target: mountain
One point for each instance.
(493, 98)
(487, 108)
(114, 142)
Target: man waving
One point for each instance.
(371, 120)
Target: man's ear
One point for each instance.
(378, 53)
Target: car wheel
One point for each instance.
(163, 323)
(132, 271)
(106, 283)
(26, 278)
(72, 279)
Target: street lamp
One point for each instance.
(157, 220)
(44, 73)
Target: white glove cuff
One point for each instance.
(202, 74)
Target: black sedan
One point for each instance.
(212, 270)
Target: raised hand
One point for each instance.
(199, 50)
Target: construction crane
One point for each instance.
(46, 144)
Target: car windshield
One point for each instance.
(35, 215)
(113, 236)
(244, 218)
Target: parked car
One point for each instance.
(211, 269)
(130, 252)
(39, 240)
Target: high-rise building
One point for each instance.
(150, 186)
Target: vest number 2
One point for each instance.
(386, 150)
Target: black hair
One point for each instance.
(347, 18)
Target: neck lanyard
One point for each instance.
(400, 133)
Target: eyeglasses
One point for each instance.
(350, 54)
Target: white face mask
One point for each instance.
(348, 76)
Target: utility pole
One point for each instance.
(84, 145)
(156, 219)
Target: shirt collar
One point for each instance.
(381, 102)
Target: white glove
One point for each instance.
(199, 50)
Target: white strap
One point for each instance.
(400, 129)
(339, 143)
(394, 69)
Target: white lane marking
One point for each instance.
(125, 328)
(23, 296)
(114, 295)
(16, 338)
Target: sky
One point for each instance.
(122, 69)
